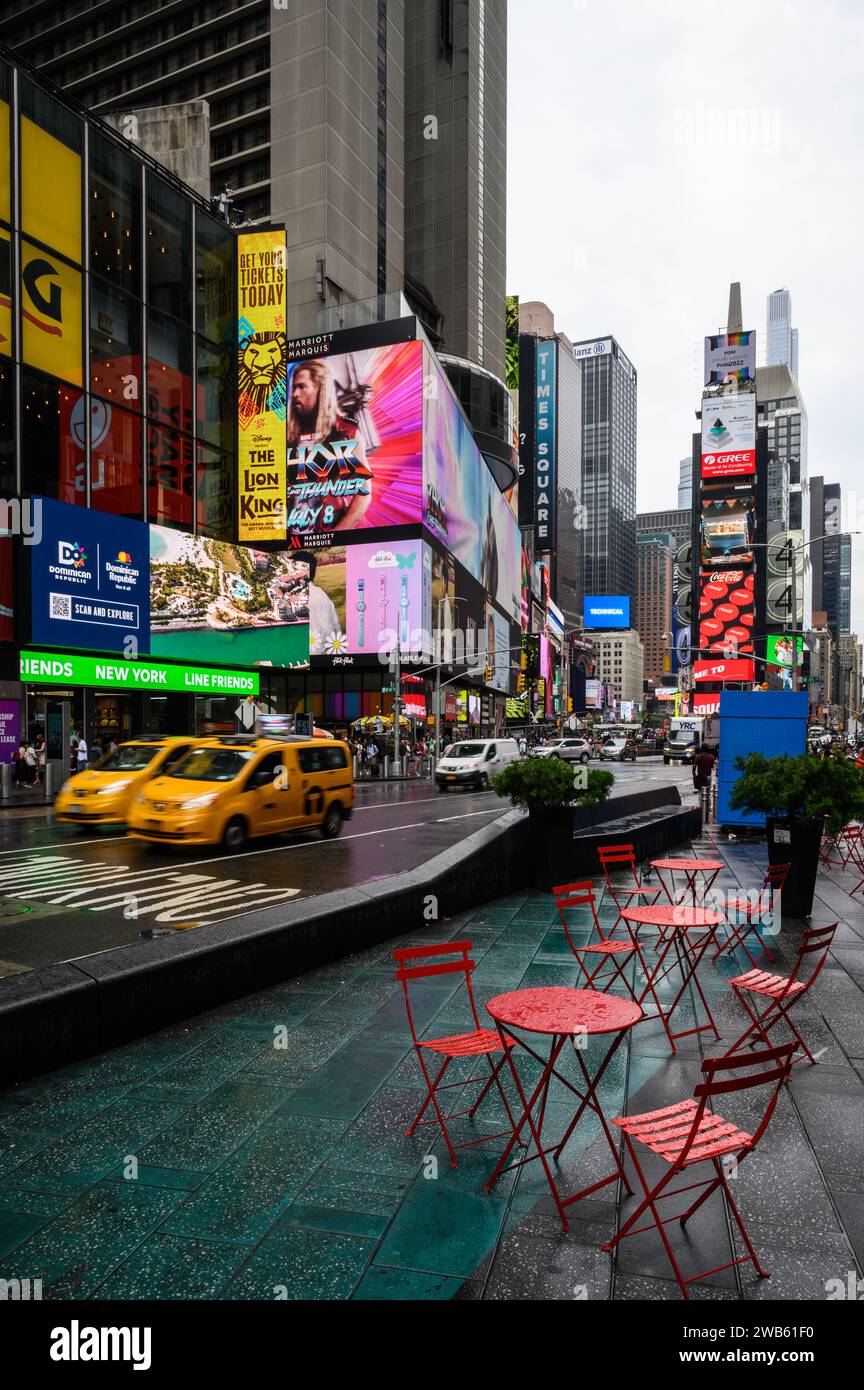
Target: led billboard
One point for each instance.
(604, 611)
(728, 523)
(89, 577)
(730, 357)
(726, 613)
(261, 384)
(355, 442)
(364, 598)
(210, 601)
(729, 435)
(463, 505)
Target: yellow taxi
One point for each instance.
(232, 788)
(102, 794)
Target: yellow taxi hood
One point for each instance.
(174, 789)
(92, 779)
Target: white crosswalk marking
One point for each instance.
(169, 895)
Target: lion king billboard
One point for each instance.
(262, 384)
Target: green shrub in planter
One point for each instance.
(799, 789)
(534, 784)
(550, 791)
(799, 798)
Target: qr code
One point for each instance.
(61, 605)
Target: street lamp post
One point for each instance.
(763, 545)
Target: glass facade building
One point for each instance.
(609, 391)
(116, 374)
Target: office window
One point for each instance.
(214, 279)
(115, 214)
(170, 478)
(116, 469)
(169, 250)
(214, 493)
(216, 399)
(52, 439)
(115, 345)
(51, 191)
(169, 373)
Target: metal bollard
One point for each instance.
(5, 781)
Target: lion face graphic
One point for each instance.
(261, 364)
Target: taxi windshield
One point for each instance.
(212, 765)
(131, 757)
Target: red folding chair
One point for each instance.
(479, 1042)
(851, 847)
(601, 954)
(618, 857)
(781, 991)
(689, 1133)
(752, 913)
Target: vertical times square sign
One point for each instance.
(545, 484)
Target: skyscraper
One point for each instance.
(655, 555)
(550, 422)
(780, 407)
(781, 337)
(685, 482)
(609, 387)
(375, 130)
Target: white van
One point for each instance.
(474, 762)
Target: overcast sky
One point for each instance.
(659, 149)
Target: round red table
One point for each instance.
(562, 1015)
(675, 924)
(690, 867)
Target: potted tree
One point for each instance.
(800, 797)
(551, 792)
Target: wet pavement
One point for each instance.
(258, 1151)
(66, 893)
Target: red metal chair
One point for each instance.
(618, 857)
(479, 1042)
(689, 1133)
(753, 913)
(604, 952)
(781, 991)
(851, 847)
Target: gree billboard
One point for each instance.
(729, 435)
(262, 384)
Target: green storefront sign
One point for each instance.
(109, 673)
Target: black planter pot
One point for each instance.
(796, 843)
(552, 844)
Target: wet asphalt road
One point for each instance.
(66, 893)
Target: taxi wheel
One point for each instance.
(235, 833)
(332, 823)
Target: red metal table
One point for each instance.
(562, 1015)
(708, 868)
(675, 923)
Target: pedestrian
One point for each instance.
(95, 749)
(32, 764)
(41, 754)
(81, 754)
(20, 761)
(523, 747)
(703, 766)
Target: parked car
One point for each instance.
(618, 749)
(569, 750)
(474, 762)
